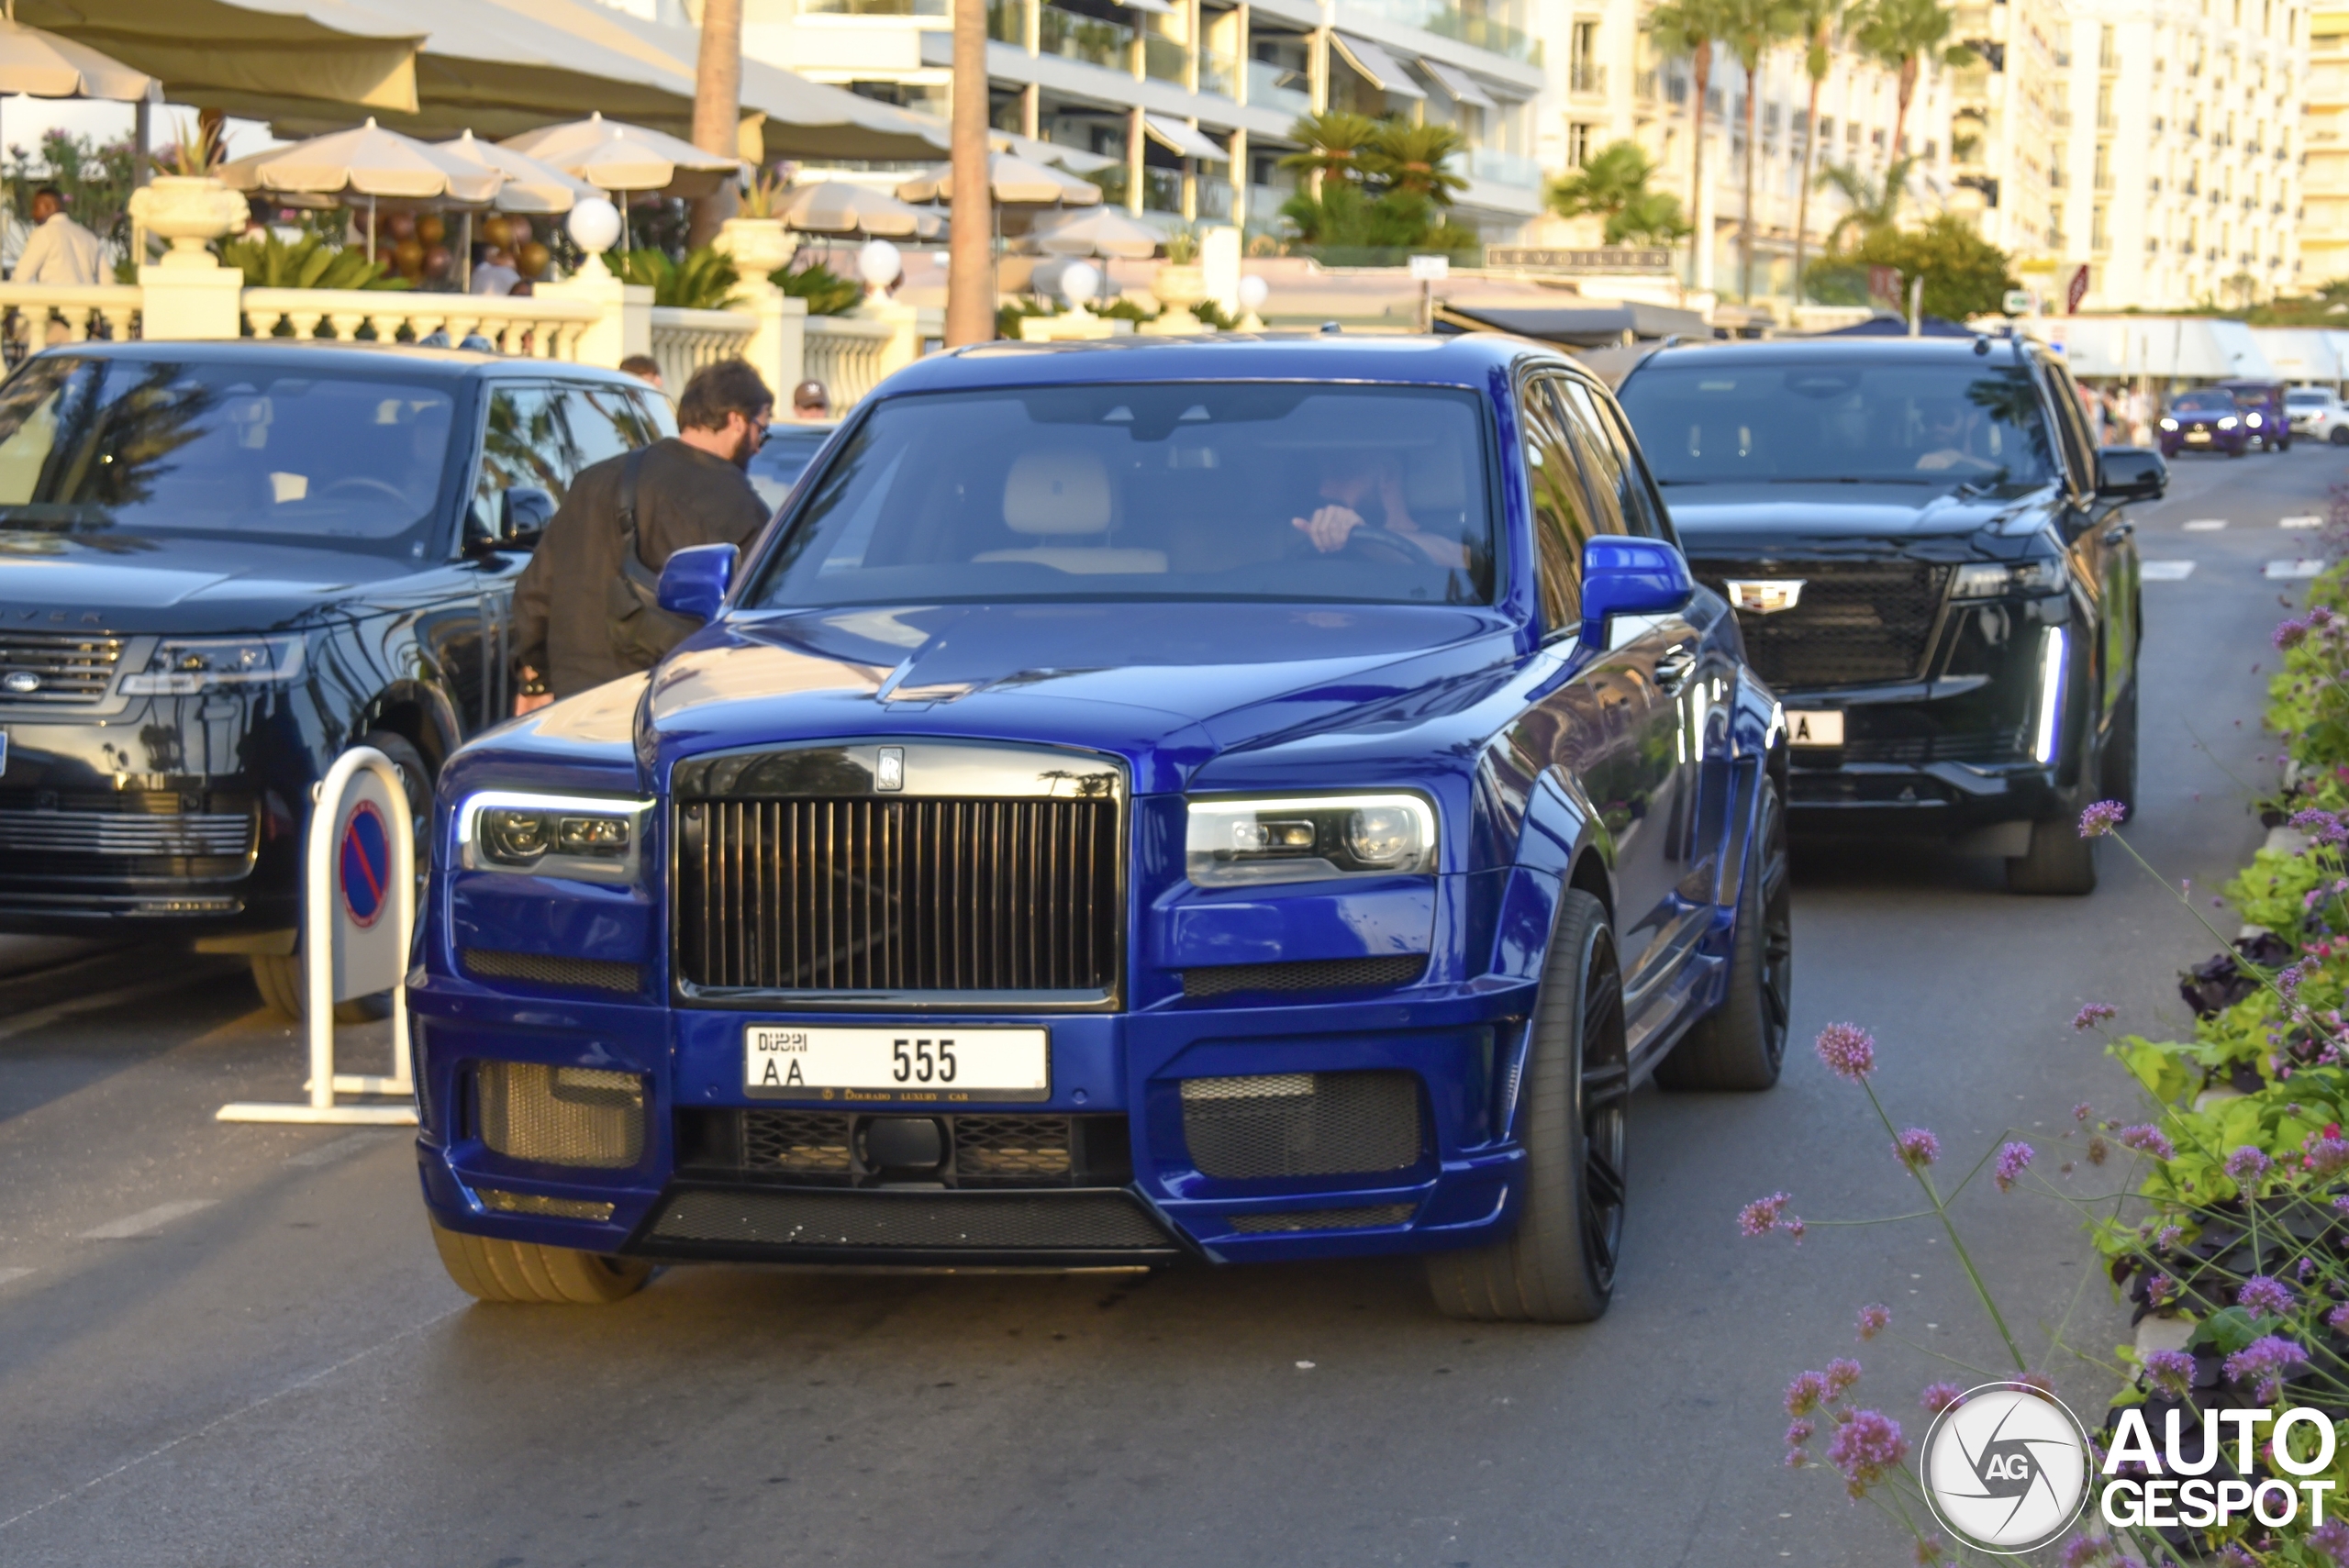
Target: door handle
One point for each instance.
(1671, 670)
(2118, 532)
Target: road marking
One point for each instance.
(9, 1275)
(2286, 571)
(349, 1144)
(147, 1220)
(2302, 522)
(41, 1017)
(2166, 571)
(2205, 525)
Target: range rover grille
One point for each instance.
(71, 670)
(1857, 623)
(921, 894)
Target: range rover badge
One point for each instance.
(1766, 595)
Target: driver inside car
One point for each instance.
(1354, 483)
(1950, 430)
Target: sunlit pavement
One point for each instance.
(232, 1345)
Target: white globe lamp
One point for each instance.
(878, 265)
(595, 227)
(1080, 281)
(1254, 291)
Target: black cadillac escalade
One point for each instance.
(1930, 565)
(223, 563)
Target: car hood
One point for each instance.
(1748, 520)
(1170, 686)
(191, 582)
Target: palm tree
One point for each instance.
(1412, 158)
(1754, 29)
(1871, 207)
(1334, 142)
(1901, 35)
(1686, 29)
(1822, 26)
(718, 107)
(970, 270)
(1612, 184)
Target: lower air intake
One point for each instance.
(930, 1221)
(1379, 974)
(560, 1115)
(583, 974)
(1302, 1124)
(1323, 1220)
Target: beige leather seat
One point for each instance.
(1066, 495)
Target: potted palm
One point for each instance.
(1180, 286)
(186, 203)
(755, 238)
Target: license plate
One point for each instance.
(1819, 726)
(2198, 435)
(925, 1063)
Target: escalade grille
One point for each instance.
(1857, 622)
(72, 671)
(917, 894)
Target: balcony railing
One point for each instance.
(1219, 75)
(1265, 88)
(1164, 59)
(1162, 190)
(1445, 21)
(1584, 77)
(1509, 169)
(1089, 39)
(1215, 198)
(1008, 22)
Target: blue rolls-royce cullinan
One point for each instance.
(1233, 800)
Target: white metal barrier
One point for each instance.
(363, 915)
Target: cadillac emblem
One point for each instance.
(1766, 595)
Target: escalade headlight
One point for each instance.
(184, 665)
(1995, 579)
(594, 837)
(1238, 843)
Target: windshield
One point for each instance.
(2205, 403)
(1817, 422)
(148, 446)
(1192, 491)
(2307, 399)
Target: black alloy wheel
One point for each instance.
(1558, 1265)
(1741, 1044)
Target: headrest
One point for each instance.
(1057, 492)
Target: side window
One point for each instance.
(1643, 504)
(1561, 511)
(601, 422)
(1602, 463)
(520, 446)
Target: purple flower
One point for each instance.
(2248, 1165)
(2263, 1297)
(2332, 1537)
(2081, 1112)
(2233, 1556)
(1917, 1148)
(1798, 1433)
(1939, 1396)
(1848, 1051)
(1929, 1551)
(1805, 1394)
(2173, 1370)
(2160, 1288)
(1874, 1319)
(2148, 1139)
(1866, 1447)
(2011, 1161)
(2263, 1363)
(2291, 633)
(2102, 819)
(2085, 1551)
(1762, 1215)
(1795, 1228)
(2328, 1156)
(2095, 1013)
(2169, 1237)
(1840, 1375)
(2038, 1379)
(2338, 1319)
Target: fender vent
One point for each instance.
(541, 968)
(1302, 1124)
(1325, 974)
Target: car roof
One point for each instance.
(1837, 350)
(1470, 359)
(451, 365)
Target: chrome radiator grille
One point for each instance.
(126, 833)
(899, 895)
(70, 670)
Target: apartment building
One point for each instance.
(2324, 170)
(2009, 121)
(1183, 108)
(2181, 176)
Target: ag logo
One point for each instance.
(2007, 1470)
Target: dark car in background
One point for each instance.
(2317, 413)
(223, 564)
(1925, 553)
(790, 446)
(2266, 413)
(2207, 420)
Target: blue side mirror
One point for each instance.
(1626, 576)
(694, 582)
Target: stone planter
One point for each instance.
(758, 245)
(188, 210)
(1177, 289)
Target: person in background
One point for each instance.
(646, 369)
(690, 489)
(60, 250)
(810, 403)
(495, 275)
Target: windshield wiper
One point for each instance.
(1983, 486)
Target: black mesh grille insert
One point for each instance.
(799, 1142)
(1302, 1124)
(846, 895)
(1857, 622)
(587, 974)
(1323, 1220)
(1076, 1221)
(829, 1147)
(1326, 974)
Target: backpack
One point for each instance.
(641, 631)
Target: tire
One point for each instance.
(2060, 862)
(279, 977)
(2340, 437)
(524, 1271)
(1559, 1264)
(2117, 768)
(1741, 1044)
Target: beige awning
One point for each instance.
(225, 55)
(44, 65)
(1181, 140)
(1377, 66)
(1457, 85)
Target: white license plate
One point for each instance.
(2198, 435)
(929, 1061)
(1817, 727)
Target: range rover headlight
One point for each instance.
(594, 837)
(184, 666)
(1236, 843)
(1996, 579)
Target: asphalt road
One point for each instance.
(232, 1345)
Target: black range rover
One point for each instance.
(220, 565)
(1928, 560)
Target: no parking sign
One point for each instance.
(368, 953)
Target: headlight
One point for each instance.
(594, 839)
(2228, 423)
(183, 665)
(2251, 421)
(2168, 423)
(1991, 580)
(1235, 843)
